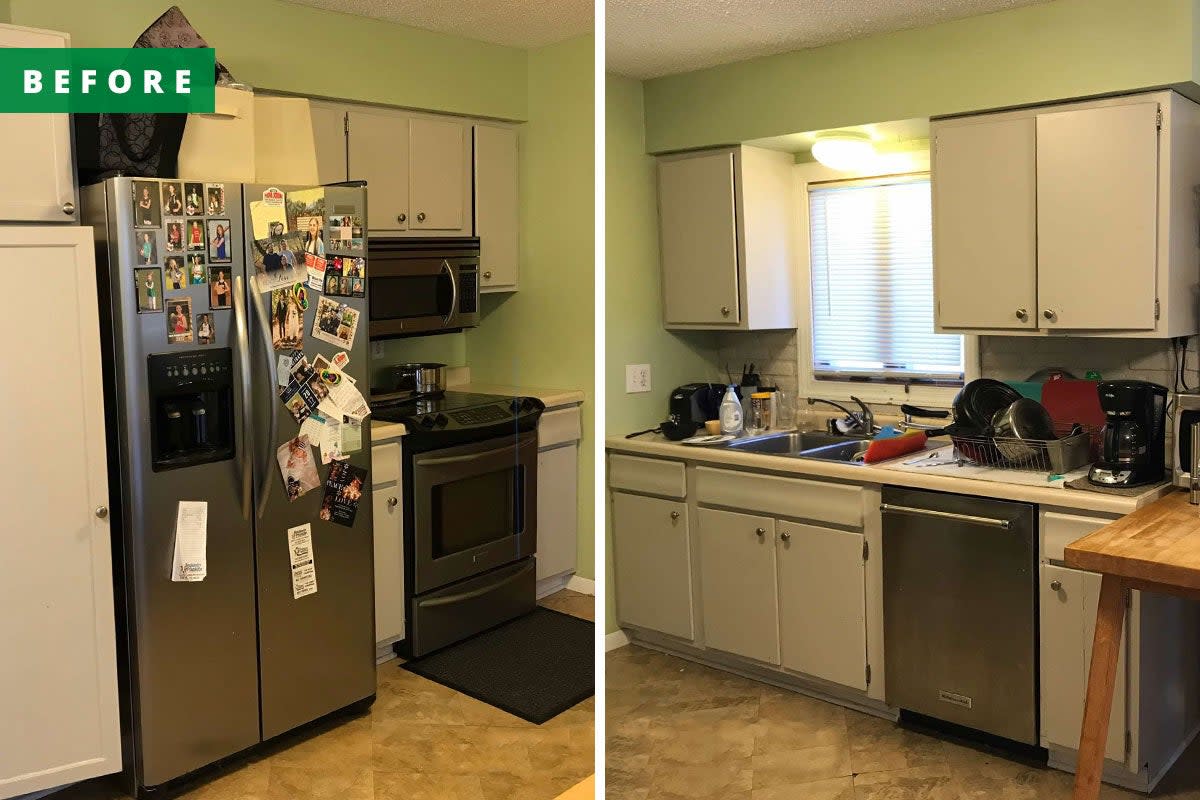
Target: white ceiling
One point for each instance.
(649, 38)
(516, 23)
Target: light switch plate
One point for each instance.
(376, 350)
(637, 378)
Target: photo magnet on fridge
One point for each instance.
(343, 490)
(298, 467)
(287, 319)
(172, 199)
(219, 288)
(214, 194)
(193, 202)
(176, 277)
(335, 323)
(146, 243)
(195, 234)
(179, 320)
(149, 285)
(174, 236)
(146, 210)
(219, 246)
(204, 329)
(196, 273)
(306, 215)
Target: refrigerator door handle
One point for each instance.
(243, 351)
(264, 485)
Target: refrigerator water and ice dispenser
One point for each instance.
(191, 406)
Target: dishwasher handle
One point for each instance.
(1002, 524)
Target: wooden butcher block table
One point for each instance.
(1154, 549)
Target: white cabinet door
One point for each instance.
(1068, 600)
(1097, 208)
(378, 154)
(652, 564)
(330, 142)
(388, 532)
(439, 159)
(985, 224)
(36, 160)
(557, 510)
(58, 681)
(496, 207)
(737, 584)
(822, 603)
(698, 234)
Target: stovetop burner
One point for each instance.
(459, 414)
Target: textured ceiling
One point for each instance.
(516, 23)
(649, 38)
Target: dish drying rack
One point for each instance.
(1075, 446)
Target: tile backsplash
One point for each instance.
(1016, 358)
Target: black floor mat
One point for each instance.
(535, 667)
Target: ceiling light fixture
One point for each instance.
(845, 151)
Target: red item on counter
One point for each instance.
(896, 446)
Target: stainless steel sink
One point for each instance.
(803, 444)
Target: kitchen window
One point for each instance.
(871, 294)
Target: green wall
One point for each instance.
(543, 334)
(1052, 51)
(275, 45)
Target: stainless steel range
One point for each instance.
(470, 513)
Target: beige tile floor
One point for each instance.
(676, 729)
(420, 741)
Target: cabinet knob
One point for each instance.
(487, 276)
(724, 311)
(674, 515)
(785, 536)
(420, 216)
(401, 217)
(101, 511)
(1022, 314)
(1050, 315)
(760, 532)
(69, 209)
(1056, 585)
(391, 502)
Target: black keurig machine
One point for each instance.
(1134, 434)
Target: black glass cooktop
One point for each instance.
(457, 411)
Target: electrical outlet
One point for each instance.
(637, 378)
(376, 350)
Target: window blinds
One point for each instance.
(872, 284)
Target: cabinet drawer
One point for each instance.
(385, 464)
(1059, 530)
(559, 427)
(647, 475)
(834, 503)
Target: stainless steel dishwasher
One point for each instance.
(960, 610)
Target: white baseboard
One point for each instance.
(615, 640)
(582, 585)
(548, 586)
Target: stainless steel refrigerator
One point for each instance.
(212, 667)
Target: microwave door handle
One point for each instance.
(264, 483)
(243, 351)
(433, 462)
(453, 290)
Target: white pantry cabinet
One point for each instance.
(725, 233)
(497, 206)
(1077, 219)
(58, 706)
(36, 160)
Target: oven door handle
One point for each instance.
(433, 462)
(449, 270)
(471, 595)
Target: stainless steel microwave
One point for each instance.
(422, 285)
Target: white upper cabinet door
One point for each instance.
(58, 675)
(439, 158)
(822, 603)
(36, 160)
(378, 154)
(496, 206)
(698, 233)
(329, 142)
(737, 584)
(984, 224)
(1097, 200)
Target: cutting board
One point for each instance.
(1070, 401)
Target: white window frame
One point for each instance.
(870, 392)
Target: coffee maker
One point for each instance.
(1134, 434)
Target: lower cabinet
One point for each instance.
(1068, 599)
(387, 505)
(652, 564)
(737, 584)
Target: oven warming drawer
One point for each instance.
(455, 612)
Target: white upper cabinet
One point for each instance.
(1075, 219)
(496, 207)
(440, 176)
(378, 154)
(725, 232)
(36, 160)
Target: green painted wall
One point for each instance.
(447, 348)
(283, 46)
(634, 333)
(1068, 48)
(543, 334)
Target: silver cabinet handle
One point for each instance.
(401, 217)
(391, 502)
(1023, 314)
(785, 536)
(1056, 585)
(724, 311)
(69, 208)
(243, 351)
(674, 515)
(888, 508)
(487, 276)
(101, 511)
(760, 532)
(1050, 315)
(420, 216)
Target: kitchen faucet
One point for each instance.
(862, 422)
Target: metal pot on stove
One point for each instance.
(422, 377)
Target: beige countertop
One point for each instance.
(999, 486)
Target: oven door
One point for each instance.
(474, 509)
